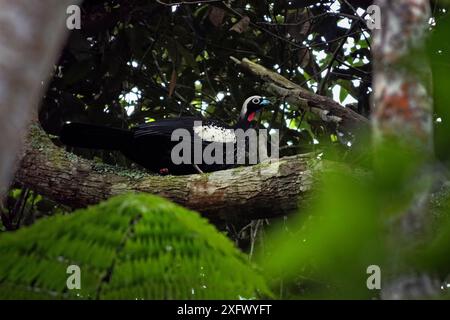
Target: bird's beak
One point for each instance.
(265, 102)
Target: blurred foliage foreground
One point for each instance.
(130, 247)
(141, 246)
(144, 247)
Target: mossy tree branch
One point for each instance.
(265, 190)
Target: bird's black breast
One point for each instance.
(152, 144)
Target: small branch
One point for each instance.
(326, 108)
(177, 3)
(329, 67)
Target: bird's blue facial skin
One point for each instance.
(264, 102)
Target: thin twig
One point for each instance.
(198, 169)
(170, 4)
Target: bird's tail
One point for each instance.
(93, 136)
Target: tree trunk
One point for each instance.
(403, 112)
(31, 34)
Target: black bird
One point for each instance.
(150, 145)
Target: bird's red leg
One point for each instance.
(164, 171)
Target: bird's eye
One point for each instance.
(256, 101)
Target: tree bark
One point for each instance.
(403, 95)
(31, 34)
(262, 191)
(403, 113)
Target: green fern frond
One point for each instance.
(129, 247)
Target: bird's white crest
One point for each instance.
(246, 102)
(212, 133)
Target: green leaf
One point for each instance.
(343, 94)
(148, 247)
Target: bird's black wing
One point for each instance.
(209, 131)
(164, 127)
(152, 144)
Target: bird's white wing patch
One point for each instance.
(213, 133)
